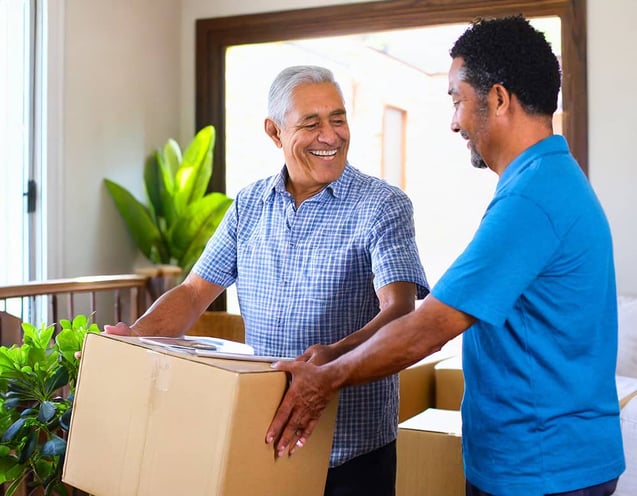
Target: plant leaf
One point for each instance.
(55, 488)
(38, 337)
(47, 411)
(196, 226)
(195, 170)
(12, 403)
(7, 468)
(153, 184)
(13, 430)
(170, 161)
(44, 469)
(55, 446)
(137, 218)
(57, 380)
(29, 447)
(79, 322)
(65, 419)
(16, 484)
(169, 210)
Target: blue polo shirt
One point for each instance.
(540, 411)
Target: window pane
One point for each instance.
(395, 87)
(15, 85)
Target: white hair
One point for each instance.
(280, 94)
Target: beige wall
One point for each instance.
(612, 111)
(119, 100)
(129, 83)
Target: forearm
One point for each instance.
(395, 300)
(400, 343)
(176, 311)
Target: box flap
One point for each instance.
(234, 365)
(435, 420)
(453, 363)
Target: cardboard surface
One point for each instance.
(429, 455)
(449, 383)
(417, 386)
(626, 389)
(147, 421)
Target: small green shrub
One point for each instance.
(37, 384)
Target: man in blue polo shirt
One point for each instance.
(317, 252)
(534, 293)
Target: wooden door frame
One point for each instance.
(214, 36)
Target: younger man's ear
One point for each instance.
(502, 98)
(273, 131)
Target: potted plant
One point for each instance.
(180, 216)
(37, 384)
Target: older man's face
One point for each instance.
(314, 137)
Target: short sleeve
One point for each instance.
(218, 262)
(393, 246)
(514, 242)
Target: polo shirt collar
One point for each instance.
(552, 144)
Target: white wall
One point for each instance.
(612, 72)
(129, 83)
(120, 100)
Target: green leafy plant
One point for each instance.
(37, 384)
(180, 216)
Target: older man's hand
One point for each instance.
(119, 329)
(318, 354)
(311, 388)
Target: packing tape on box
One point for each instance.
(161, 371)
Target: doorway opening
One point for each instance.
(395, 88)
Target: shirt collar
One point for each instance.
(553, 144)
(338, 188)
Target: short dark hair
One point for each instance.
(511, 52)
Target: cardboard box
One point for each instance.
(449, 383)
(417, 386)
(147, 421)
(626, 389)
(429, 455)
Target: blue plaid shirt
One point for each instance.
(310, 274)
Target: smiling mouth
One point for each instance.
(323, 153)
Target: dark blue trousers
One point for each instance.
(605, 489)
(372, 474)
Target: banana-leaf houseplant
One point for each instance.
(179, 217)
(37, 384)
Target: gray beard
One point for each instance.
(476, 160)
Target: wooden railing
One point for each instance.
(108, 298)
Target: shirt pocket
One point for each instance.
(332, 274)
